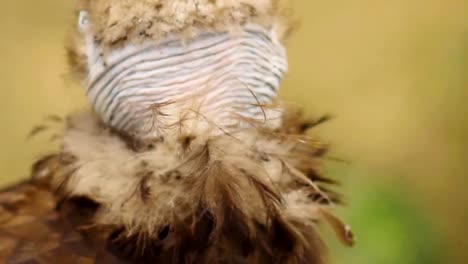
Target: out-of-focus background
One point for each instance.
(393, 73)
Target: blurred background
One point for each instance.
(394, 74)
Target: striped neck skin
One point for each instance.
(214, 81)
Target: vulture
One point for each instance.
(185, 154)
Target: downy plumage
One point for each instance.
(185, 183)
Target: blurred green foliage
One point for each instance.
(394, 73)
(390, 228)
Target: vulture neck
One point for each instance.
(214, 81)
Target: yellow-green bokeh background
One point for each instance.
(393, 73)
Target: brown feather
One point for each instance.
(253, 196)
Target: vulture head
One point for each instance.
(152, 68)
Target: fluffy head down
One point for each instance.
(255, 195)
(115, 21)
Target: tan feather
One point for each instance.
(193, 199)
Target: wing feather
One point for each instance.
(31, 230)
